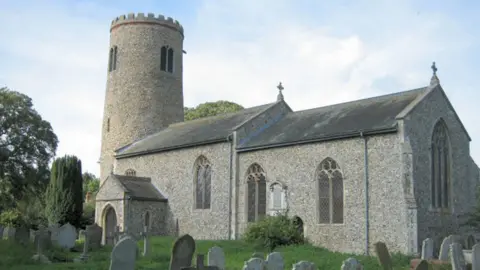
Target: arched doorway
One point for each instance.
(299, 224)
(110, 225)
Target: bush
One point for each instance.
(11, 218)
(274, 231)
(88, 215)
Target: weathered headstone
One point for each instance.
(200, 265)
(182, 252)
(84, 256)
(275, 261)
(95, 236)
(254, 264)
(41, 236)
(456, 257)
(67, 235)
(351, 264)
(476, 257)
(53, 228)
(146, 241)
(216, 257)
(304, 265)
(124, 254)
(423, 265)
(9, 233)
(470, 241)
(427, 249)
(383, 255)
(445, 248)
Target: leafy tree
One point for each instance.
(90, 183)
(27, 144)
(211, 109)
(64, 196)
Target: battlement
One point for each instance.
(150, 18)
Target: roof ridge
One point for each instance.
(364, 99)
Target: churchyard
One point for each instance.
(62, 247)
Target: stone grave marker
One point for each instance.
(351, 264)
(456, 257)
(423, 265)
(216, 257)
(182, 252)
(86, 239)
(476, 257)
(146, 241)
(304, 265)
(444, 248)
(124, 254)
(470, 242)
(53, 228)
(427, 249)
(383, 255)
(200, 265)
(275, 261)
(9, 233)
(67, 235)
(95, 236)
(42, 237)
(254, 263)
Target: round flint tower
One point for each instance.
(144, 86)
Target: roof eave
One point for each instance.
(140, 198)
(165, 149)
(323, 139)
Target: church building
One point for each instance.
(394, 168)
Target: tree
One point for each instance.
(64, 196)
(90, 183)
(211, 109)
(27, 145)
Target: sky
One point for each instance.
(323, 52)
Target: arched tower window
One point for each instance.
(108, 124)
(330, 192)
(256, 193)
(112, 59)
(130, 172)
(147, 220)
(166, 59)
(440, 153)
(203, 183)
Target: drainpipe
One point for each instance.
(230, 139)
(367, 221)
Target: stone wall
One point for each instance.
(418, 127)
(297, 169)
(137, 210)
(172, 173)
(109, 194)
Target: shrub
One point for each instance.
(88, 216)
(11, 218)
(274, 231)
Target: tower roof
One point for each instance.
(133, 18)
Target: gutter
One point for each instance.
(367, 221)
(230, 186)
(322, 139)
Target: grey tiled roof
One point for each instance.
(195, 132)
(336, 121)
(139, 188)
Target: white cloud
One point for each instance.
(238, 51)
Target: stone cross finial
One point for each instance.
(434, 81)
(280, 89)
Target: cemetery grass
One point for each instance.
(16, 257)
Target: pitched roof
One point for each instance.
(194, 132)
(335, 121)
(139, 188)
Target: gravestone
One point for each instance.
(476, 257)
(423, 265)
(470, 242)
(84, 256)
(146, 240)
(275, 261)
(95, 236)
(42, 240)
(445, 248)
(456, 257)
(383, 255)
(67, 235)
(427, 249)
(254, 264)
(216, 257)
(182, 252)
(9, 233)
(53, 228)
(351, 264)
(124, 254)
(304, 265)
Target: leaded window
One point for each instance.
(256, 193)
(329, 179)
(203, 182)
(166, 59)
(440, 161)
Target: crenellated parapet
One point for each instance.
(132, 18)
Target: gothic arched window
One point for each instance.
(112, 58)
(130, 172)
(166, 59)
(256, 193)
(147, 220)
(203, 183)
(330, 192)
(440, 154)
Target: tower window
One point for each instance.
(112, 59)
(108, 124)
(166, 59)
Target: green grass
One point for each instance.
(16, 257)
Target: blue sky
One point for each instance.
(324, 52)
